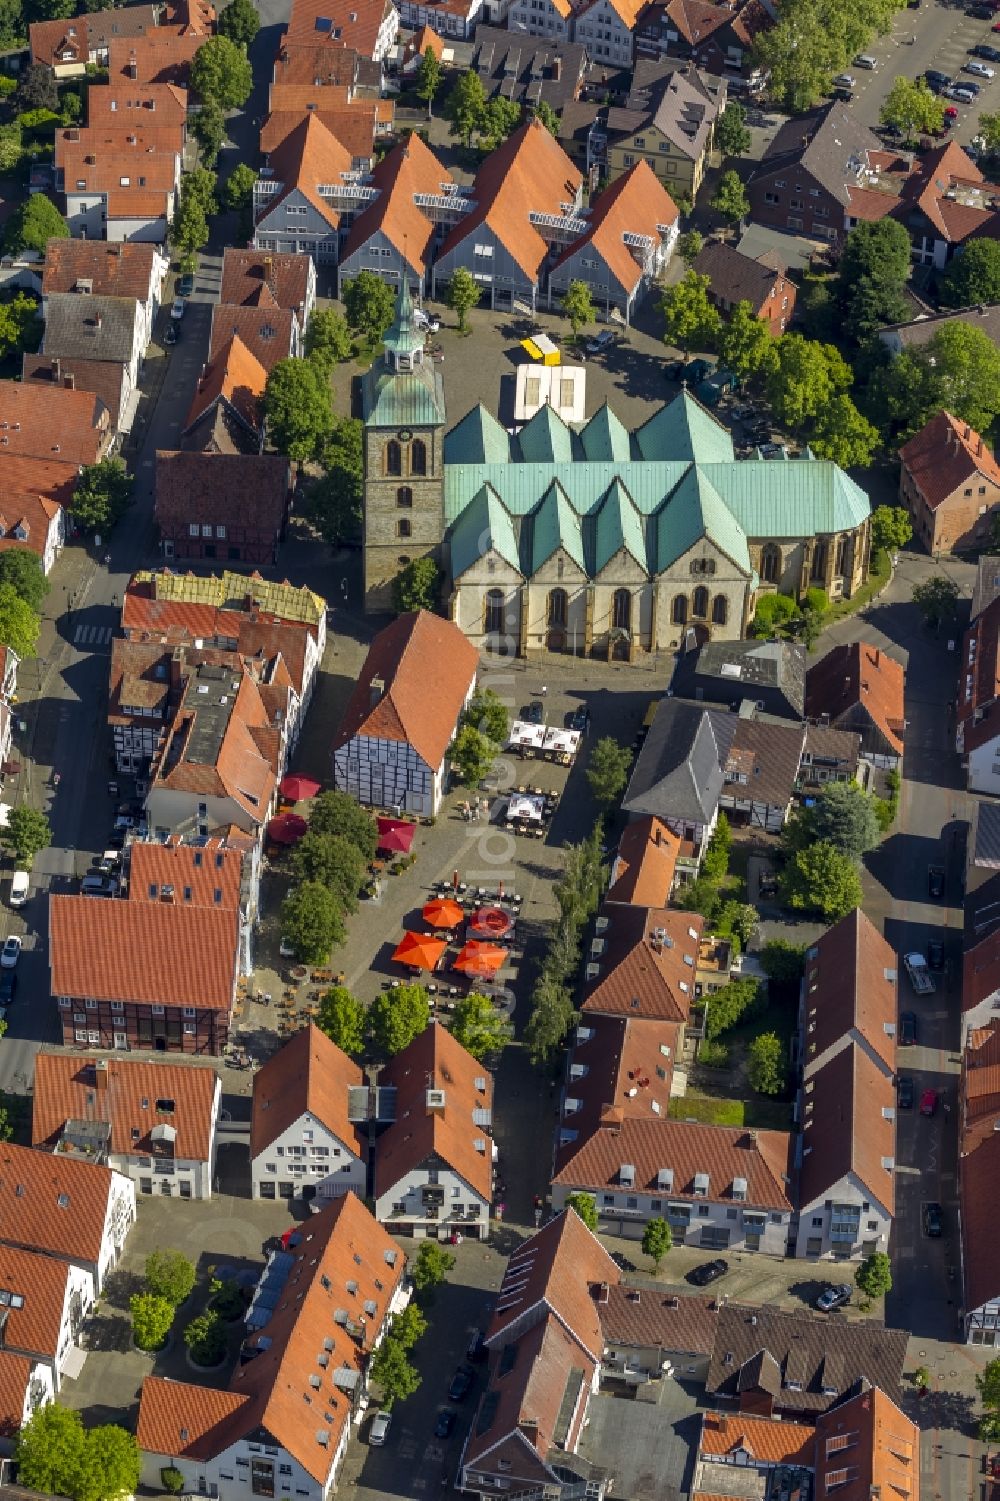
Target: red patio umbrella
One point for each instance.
(443, 913)
(418, 952)
(287, 828)
(492, 922)
(395, 835)
(481, 959)
(298, 789)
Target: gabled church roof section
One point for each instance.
(696, 510)
(619, 527)
(685, 430)
(484, 525)
(556, 525)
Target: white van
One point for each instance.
(19, 888)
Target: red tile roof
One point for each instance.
(26, 521)
(767, 1440)
(644, 969)
(642, 872)
(634, 1314)
(159, 58)
(555, 1270)
(237, 758)
(53, 1203)
(936, 174)
(979, 680)
(41, 1280)
(237, 379)
(626, 1065)
(859, 673)
(205, 876)
(345, 1268)
(434, 1060)
(309, 1074)
(257, 278)
(866, 1447)
(48, 477)
(125, 1092)
(529, 173)
(81, 35)
(427, 667)
(354, 126)
(409, 169)
(763, 1158)
(848, 990)
(121, 103)
(239, 490)
(317, 66)
(15, 1376)
(981, 971)
(146, 952)
(219, 605)
(349, 23)
(945, 456)
(120, 270)
(102, 378)
(308, 156)
(267, 332)
(635, 203)
(845, 1128)
(50, 422)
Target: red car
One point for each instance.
(928, 1102)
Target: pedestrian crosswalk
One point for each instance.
(94, 636)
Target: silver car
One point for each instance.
(379, 1428)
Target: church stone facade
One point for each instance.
(596, 542)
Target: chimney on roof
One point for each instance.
(877, 656)
(133, 67)
(69, 381)
(557, 69)
(659, 836)
(101, 1074)
(98, 320)
(56, 369)
(376, 689)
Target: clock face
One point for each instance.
(405, 436)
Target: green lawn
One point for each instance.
(756, 1114)
(877, 578)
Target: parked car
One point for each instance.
(907, 1029)
(935, 882)
(461, 1384)
(935, 954)
(173, 333)
(844, 81)
(379, 1428)
(99, 886)
(19, 888)
(709, 1271)
(600, 341)
(933, 1220)
(11, 952)
(980, 12)
(185, 284)
(904, 1093)
(580, 720)
(426, 321)
(533, 713)
(445, 1422)
(477, 1350)
(928, 1102)
(177, 308)
(965, 93)
(991, 54)
(934, 76)
(981, 70)
(833, 1297)
(865, 60)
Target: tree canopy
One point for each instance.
(912, 109)
(370, 305)
(328, 338)
(298, 408)
(578, 305)
(334, 861)
(745, 343)
(429, 79)
(732, 137)
(690, 320)
(585, 1205)
(102, 496)
(465, 106)
(334, 812)
(239, 22)
(22, 570)
(873, 271)
(766, 1059)
(397, 1016)
(170, 1275)
(843, 816)
(607, 770)
(56, 1454)
(344, 1020)
(820, 879)
(479, 1026)
(220, 70)
(34, 222)
(973, 276)
(891, 528)
(730, 197)
(657, 1239)
(936, 598)
(462, 295)
(416, 586)
(874, 1275)
(26, 832)
(333, 502)
(312, 921)
(958, 369)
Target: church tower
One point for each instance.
(404, 417)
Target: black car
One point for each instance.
(991, 54)
(709, 1271)
(476, 1349)
(842, 96)
(533, 713)
(980, 12)
(935, 954)
(461, 1384)
(967, 83)
(445, 1422)
(935, 80)
(935, 882)
(933, 1220)
(904, 1093)
(907, 1029)
(579, 720)
(172, 333)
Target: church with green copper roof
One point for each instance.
(595, 540)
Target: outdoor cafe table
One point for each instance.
(561, 742)
(526, 736)
(525, 807)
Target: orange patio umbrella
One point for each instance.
(481, 959)
(443, 913)
(418, 952)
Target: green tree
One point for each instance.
(169, 1275)
(774, 615)
(873, 271)
(220, 70)
(801, 54)
(690, 245)
(715, 861)
(766, 1064)
(19, 623)
(416, 586)
(199, 186)
(579, 889)
(111, 1465)
(551, 1018)
(544, 112)
(344, 1020)
(239, 22)
(958, 369)
(31, 226)
(298, 408)
(335, 812)
(328, 339)
(937, 599)
(730, 197)
(188, 232)
(26, 833)
(842, 815)
(585, 1205)
(804, 378)
(238, 192)
(874, 1275)
(607, 770)
(392, 1372)
(102, 496)
(333, 502)
(488, 713)
(432, 1265)
(499, 119)
(689, 319)
(578, 306)
(466, 105)
(728, 1006)
(843, 435)
(732, 137)
(37, 89)
(205, 1337)
(22, 570)
(332, 860)
(989, 129)
(11, 144)
(19, 325)
(429, 79)
(398, 1016)
(891, 528)
(209, 129)
(472, 754)
(973, 276)
(49, 1450)
(464, 291)
(479, 1026)
(782, 961)
(657, 1239)
(370, 305)
(312, 921)
(151, 1320)
(408, 1327)
(988, 1385)
(911, 108)
(820, 879)
(746, 344)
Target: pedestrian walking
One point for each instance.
(544, 690)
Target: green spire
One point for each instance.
(403, 339)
